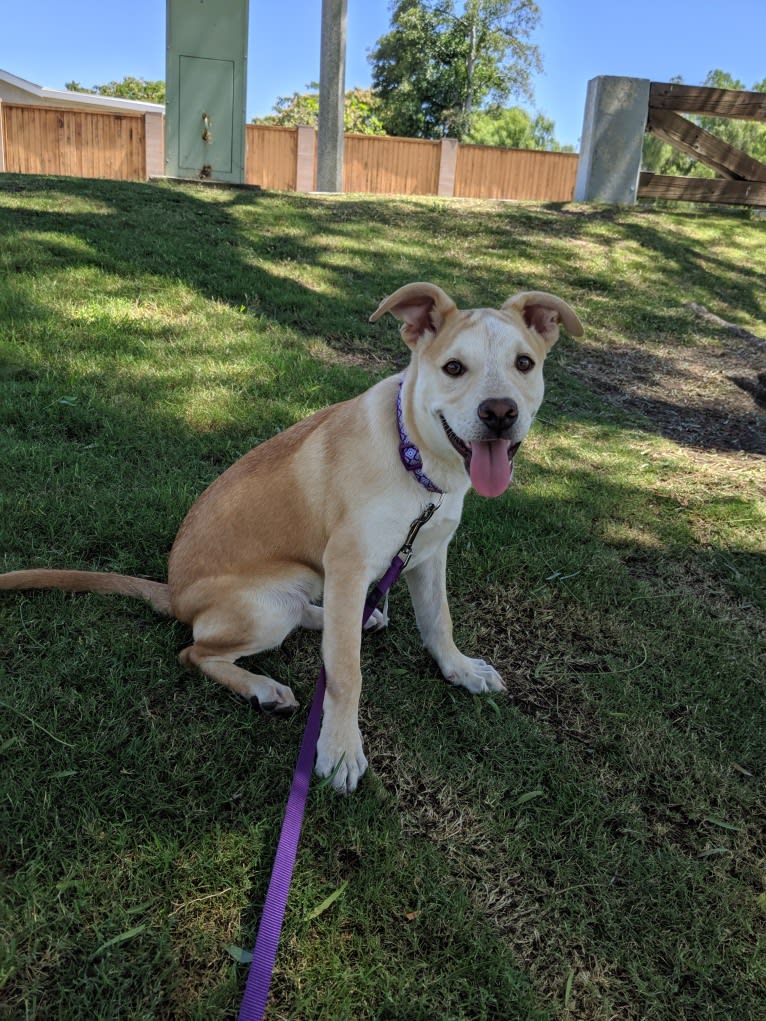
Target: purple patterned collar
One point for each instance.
(408, 452)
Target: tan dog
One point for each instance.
(320, 509)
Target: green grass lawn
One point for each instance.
(592, 848)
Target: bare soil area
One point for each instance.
(709, 396)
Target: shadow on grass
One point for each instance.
(219, 243)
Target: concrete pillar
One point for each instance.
(447, 166)
(612, 136)
(154, 141)
(332, 87)
(305, 164)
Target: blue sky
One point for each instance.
(51, 42)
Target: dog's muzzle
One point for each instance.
(489, 463)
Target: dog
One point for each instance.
(319, 510)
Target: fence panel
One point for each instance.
(383, 165)
(271, 155)
(40, 140)
(489, 173)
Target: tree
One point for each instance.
(128, 88)
(437, 68)
(361, 112)
(749, 136)
(514, 128)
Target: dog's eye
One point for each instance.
(524, 363)
(454, 368)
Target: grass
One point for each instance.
(593, 849)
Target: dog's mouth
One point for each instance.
(489, 463)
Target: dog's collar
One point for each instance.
(408, 452)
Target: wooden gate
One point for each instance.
(741, 179)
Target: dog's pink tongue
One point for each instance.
(490, 468)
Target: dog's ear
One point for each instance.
(421, 308)
(543, 312)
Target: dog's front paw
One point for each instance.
(340, 755)
(476, 675)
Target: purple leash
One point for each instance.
(256, 992)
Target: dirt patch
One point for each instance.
(709, 395)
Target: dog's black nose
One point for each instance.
(498, 414)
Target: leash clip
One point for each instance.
(405, 553)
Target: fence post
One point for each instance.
(612, 136)
(2, 147)
(447, 167)
(154, 145)
(304, 163)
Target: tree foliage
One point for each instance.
(514, 128)
(439, 65)
(361, 111)
(128, 88)
(749, 136)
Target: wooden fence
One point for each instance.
(285, 158)
(41, 140)
(741, 179)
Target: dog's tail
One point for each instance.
(156, 593)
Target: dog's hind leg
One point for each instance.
(261, 691)
(241, 624)
(313, 618)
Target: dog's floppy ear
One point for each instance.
(543, 312)
(421, 308)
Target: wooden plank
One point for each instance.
(713, 152)
(2, 139)
(748, 106)
(79, 148)
(700, 189)
(44, 134)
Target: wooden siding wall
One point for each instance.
(489, 173)
(40, 140)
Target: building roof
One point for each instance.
(63, 97)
